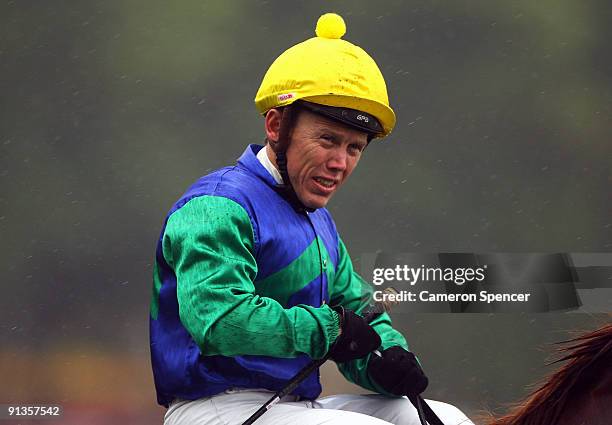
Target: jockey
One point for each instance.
(252, 280)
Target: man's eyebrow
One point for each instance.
(326, 128)
(336, 133)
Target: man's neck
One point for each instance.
(268, 159)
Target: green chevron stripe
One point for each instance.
(155, 293)
(301, 271)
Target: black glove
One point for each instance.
(357, 338)
(398, 372)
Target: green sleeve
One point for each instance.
(209, 243)
(349, 290)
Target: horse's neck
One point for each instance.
(591, 403)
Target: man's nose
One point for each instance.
(338, 159)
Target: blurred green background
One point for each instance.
(111, 109)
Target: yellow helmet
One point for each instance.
(329, 71)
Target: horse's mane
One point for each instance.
(546, 403)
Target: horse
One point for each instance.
(578, 393)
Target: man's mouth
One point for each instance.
(329, 183)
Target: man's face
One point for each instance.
(321, 156)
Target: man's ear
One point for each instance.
(272, 125)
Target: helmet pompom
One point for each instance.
(330, 25)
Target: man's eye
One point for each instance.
(356, 148)
(327, 137)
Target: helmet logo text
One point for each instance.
(286, 96)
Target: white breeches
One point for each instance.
(233, 407)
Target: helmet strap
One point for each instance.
(288, 115)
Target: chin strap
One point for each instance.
(280, 150)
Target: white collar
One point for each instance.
(262, 156)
